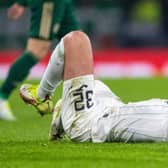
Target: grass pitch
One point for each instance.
(24, 143)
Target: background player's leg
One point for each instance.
(36, 49)
(17, 73)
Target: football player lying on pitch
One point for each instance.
(89, 110)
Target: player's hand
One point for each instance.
(15, 11)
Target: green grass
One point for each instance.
(24, 143)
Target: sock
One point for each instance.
(53, 73)
(17, 73)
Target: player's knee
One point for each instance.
(76, 34)
(76, 38)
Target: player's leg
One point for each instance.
(36, 49)
(78, 100)
(78, 78)
(62, 66)
(78, 87)
(36, 95)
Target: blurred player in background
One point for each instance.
(90, 111)
(50, 19)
